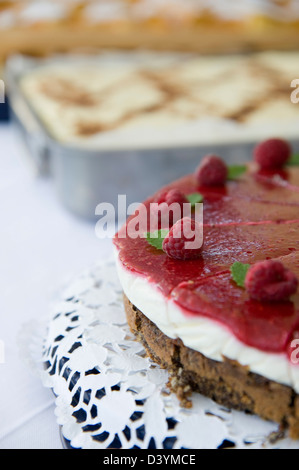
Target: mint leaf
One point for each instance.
(239, 271)
(156, 238)
(234, 171)
(194, 198)
(294, 160)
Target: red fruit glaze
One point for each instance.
(263, 325)
(247, 220)
(160, 210)
(171, 196)
(270, 281)
(272, 153)
(184, 232)
(212, 171)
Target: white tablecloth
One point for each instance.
(41, 245)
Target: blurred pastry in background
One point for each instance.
(40, 27)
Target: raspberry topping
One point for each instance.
(212, 171)
(185, 240)
(270, 281)
(171, 196)
(165, 216)
(272, 153)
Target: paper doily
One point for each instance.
(109, 394)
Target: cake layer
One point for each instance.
(226, 382)
(210, 336)
(250, 219)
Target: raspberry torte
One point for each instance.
(222, 318)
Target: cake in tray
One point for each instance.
(156, 99)
(222, 317)
(206, 26)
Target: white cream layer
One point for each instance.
(210, 338)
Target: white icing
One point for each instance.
(165, 8)
(7, 19)
(227, 9)
(107, 10)
(42, 11)
(202, 334)
(246, 8)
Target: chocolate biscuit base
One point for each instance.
(227, 383)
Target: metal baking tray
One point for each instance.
(82, 177)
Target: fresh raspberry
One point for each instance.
(175, 243)
(173, 195)
(272, 153)
(165, 217)
(212, 171)
(270, 281)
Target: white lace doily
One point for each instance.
(109, 394)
